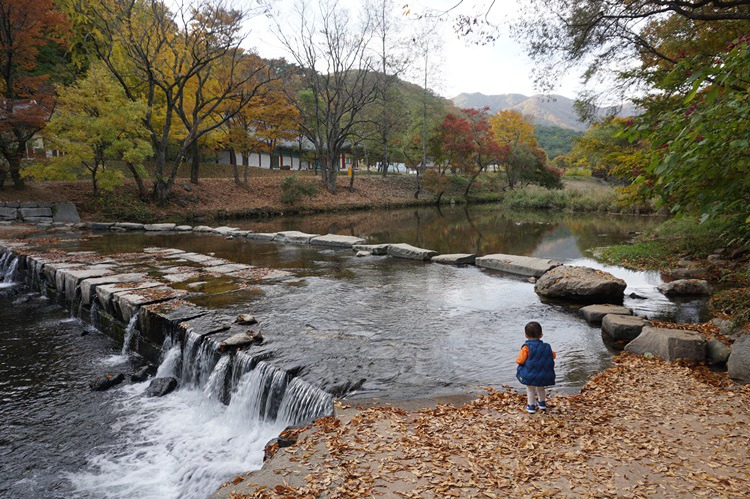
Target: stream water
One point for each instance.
(390, 328)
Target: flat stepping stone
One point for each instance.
(517, 265)
(595, 313)
(669, 344)
(455, 259)
(262, 236)
(88, 286)
(128, 226)
(685, 287)
(203, 228)
(225, 230)
(623, 327)
(159, 227)
(403, 250)
(373, 249)
(294, 236)
(336, 241)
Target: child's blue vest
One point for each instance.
(539, 368)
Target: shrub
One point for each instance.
(293, 189)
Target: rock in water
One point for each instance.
(241, 340)
(246, 319)
(581, 284)
(143, 373)
(161, 386)
(106, 382)
(685, 287)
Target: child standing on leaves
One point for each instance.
(536, 367)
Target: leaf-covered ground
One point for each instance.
(645, 428)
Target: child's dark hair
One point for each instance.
(533, 330)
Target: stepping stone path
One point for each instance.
(669, 344)
(595, 313)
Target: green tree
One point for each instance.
(95, 124)
(556, 141)
(700, 144)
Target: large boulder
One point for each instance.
(685, 287)
(403, 250)
(595, 313)
(717, 353)
(580, 284)
(623, 327)
(161, 386)
(738, 365)
(669, 344)
(518, 265)
(66, 213)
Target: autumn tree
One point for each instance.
(26, 27)
(186, 64)
(269, 118)
(515, 133)
(337, 84)
(96, 124)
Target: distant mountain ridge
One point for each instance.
(551, 110)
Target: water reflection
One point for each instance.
(481, 229)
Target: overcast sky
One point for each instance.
(499, 68)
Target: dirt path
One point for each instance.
(643, 428)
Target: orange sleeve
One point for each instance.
(554, 354)
(523, 355)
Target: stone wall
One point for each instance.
(39, 213)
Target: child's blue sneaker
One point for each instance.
(531, 409)
(541, 405)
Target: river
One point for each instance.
(389, 328)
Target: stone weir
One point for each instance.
(138, 300)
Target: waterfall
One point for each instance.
(8, 265)
(170, 361)
(216, 383)
(266, 393)
(129, 331)
(303, 402)
(94, 315)
(198, 359)
(259, 391)
(258, 394)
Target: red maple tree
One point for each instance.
(26, 98)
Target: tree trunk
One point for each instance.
(471, 183)
(138, 180)
(14, 162)
(195, 153)
(3, 174)
(235, 168)
(246, 167)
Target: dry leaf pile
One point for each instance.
(643, 428)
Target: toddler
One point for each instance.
(536, 367)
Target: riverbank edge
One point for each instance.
(332, 457)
